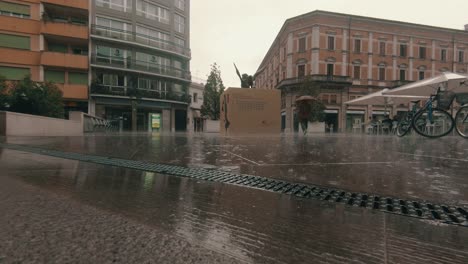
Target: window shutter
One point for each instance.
(14, 8)
(78, 78)
(12, 73)
(14, 41)
(54, 76)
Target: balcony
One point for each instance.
(126, 91)
(74, 91)
(133, 65)
(68, 3)
(331, 78)
(322, 78)
(65, 60)
(64, 29)
(17, 56)
(19, 25)
(134, 38)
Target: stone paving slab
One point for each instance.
(58, 210)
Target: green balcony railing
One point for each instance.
(131, 36)
(127, 91)
(144, 66)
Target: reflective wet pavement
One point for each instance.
(57, 209)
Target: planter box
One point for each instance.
(212, 126)
(315, 127)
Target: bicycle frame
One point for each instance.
(465, 120)
(412, 112)
(428, 106)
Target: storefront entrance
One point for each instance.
(355, 119)
(198, 124)
(123, 117)
(180, 120)
(331, 120)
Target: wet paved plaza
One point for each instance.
(59, 210)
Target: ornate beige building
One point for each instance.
(350, 56)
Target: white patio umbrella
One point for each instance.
(306, 98)
(379, 98)
(454, 82)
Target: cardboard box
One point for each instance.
(250, 111)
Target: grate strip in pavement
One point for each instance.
(445, 213)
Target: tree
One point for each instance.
(4, 99)
(36, 98)
(211, 95)
(311, 109)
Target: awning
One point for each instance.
(380, 113)
(454, 82)
(331, 111)
(356, 112)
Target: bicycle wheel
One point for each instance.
(461, 121)
(439, 125)
(403, 126)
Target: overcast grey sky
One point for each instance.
(241, 31)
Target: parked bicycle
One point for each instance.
(434, 121)
(461, 117)
(404, 125)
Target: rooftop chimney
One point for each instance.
(466, 27)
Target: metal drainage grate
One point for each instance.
(449, 214)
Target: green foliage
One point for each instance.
(29, 97)
(4, 99)
(309, 87)
(310, 110)
(211, 95)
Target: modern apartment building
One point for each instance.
(48, 40)
(140, 61)
(124, 60)
(349, 56)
